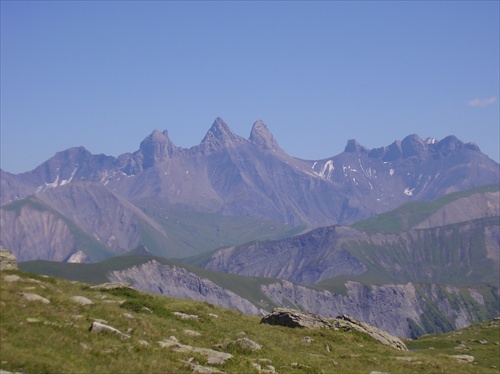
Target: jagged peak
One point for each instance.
(262, 137)
(220, 136)
(156, 147)
(353, 146)
(413, 145)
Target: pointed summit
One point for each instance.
(262, 137)
(220, 136)
(156, 148)
(353, 146)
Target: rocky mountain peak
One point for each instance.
(156, 148)
(353, 146)
(262, 137)
(448, 146)
(413, 145)
(220, 136)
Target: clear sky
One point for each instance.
(104, 75)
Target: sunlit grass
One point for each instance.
(54, 338)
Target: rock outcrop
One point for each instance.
(7, 260)
(98, 327)
(213, 357)
(295, 318)
(382, 336)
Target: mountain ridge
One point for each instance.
(229, 176)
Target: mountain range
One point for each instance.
(405, 237)
(227, 190)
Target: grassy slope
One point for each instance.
(195, 232)
(481, 340)
(410, 214)
(54, 338)
(434, 255)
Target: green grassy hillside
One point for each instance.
(452, 254)
(481, 340)
(39, 337)
(412, 213)
(198, 232)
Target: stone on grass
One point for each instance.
(213, 357)
(111, 286)
(34, 297)
(191, 333)
(186, 316)
(295, 318)
(195, 368)
(81, 300)
(97, 327)
(463, 358)
(380, 335)
(12, 278)
(242, 343)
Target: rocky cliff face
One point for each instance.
(80, 221)
(307, 259)
(403, 310)
(176, 281)
(33, 234)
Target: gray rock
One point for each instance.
(81, 300)
(213, 357)
(12, 278)
(295, 318)
(195, 368)
(242, 343)
(376, 333)
(111, 286)
(186, 316)
(98, 327)
(191, 333)
(34, 297)
(7, 260)
(467, 359)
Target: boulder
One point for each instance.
(186, 316)
(376, 333)
(294, 318)
(467, 359)
(34, 297)
(111, 286)
(12, 278)
(81, 300)
(7, 260)
(242, 343)
(213, 357)
(97, 327)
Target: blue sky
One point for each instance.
(104, 75)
